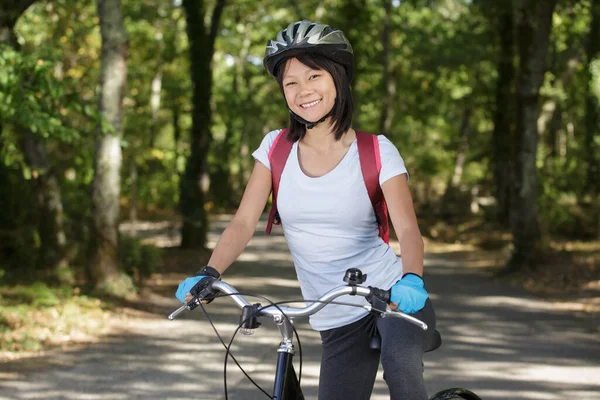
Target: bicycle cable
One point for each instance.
(227, 347)
(231, 355)
(271, 304)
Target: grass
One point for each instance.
(38, 317)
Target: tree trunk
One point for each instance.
(176, 115)
(592, 104)
(50, 226)
(502, 135)
(463, 147)
(133, 197)
(244, 152)
(550, 119)
(48, 195)
(155, 104)
(349, 16)
(389, 83)
(201, 47)
(106, 187)
(451, 199)
(551, 107)
(534, 26)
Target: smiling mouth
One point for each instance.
(311, 104)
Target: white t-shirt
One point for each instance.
(330, 226)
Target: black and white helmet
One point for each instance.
(305, 36)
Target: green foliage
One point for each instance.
(32, 98)
(563, 211)
(138, 260)
(37, 294)
(18, 245)
(443, 60)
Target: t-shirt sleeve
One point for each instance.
(392, 163)
(262, 153)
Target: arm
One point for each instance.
(400, 205)
(408, 294)
(241, 228)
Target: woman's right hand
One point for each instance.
(183, 291)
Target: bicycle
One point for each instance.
(287, 384)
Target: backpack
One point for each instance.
(370, 164)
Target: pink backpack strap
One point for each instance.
(278, 155)
(370, 164)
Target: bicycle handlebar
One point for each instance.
(276, 312)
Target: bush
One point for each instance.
(138, 260)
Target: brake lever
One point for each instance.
(379, 300)
(411, 319)
(190, 305)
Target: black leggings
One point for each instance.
(349, 365)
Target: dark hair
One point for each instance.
(341, 114)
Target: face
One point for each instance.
(310, 93)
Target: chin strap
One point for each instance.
(309, 125)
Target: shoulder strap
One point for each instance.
(278, 155)
(370, 164)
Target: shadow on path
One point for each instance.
(497, 340)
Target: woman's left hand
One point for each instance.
(409, 294)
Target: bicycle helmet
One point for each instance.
(305, 36)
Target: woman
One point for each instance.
(329, 222)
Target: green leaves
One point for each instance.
(32, 98)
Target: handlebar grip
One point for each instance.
(203, 289)
(384, 295)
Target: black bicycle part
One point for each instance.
(295, 381)
(379, 299)
(354, 277)
(232, 357)
(455, 394)
(287, 386)
(249, 319)
(203, 291)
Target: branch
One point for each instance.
(215, 19)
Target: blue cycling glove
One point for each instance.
(186, 285)
(409, 293)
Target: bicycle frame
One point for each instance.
(286, 386)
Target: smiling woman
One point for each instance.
(329, 221)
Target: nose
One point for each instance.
(305, 89)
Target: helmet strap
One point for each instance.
(310, 125)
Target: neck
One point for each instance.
(322, 136)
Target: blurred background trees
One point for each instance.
(493, 105)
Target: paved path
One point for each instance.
(498, 341)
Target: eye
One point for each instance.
(315, 76)
(290, 83)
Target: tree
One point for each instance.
(201, 48)
(592, 102)
(106, 187)
(502, 135)
(388, 81)
(46, 186)
(534, 23)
